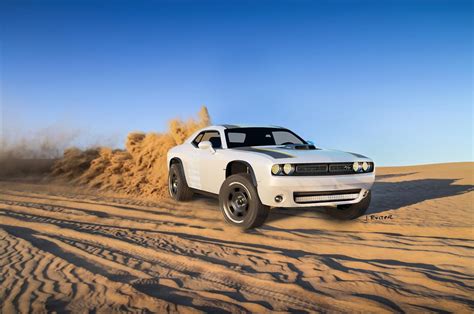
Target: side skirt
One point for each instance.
(209, 194)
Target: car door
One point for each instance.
(211, 163)
(191, 165)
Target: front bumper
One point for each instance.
(287, 186)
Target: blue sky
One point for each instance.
(389, 79)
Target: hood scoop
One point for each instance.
(300, 146)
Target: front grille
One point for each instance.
(343, 168)
(325, 196)
(322, 169)
(311, 168)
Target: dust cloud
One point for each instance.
(33, 154)
(139, 170)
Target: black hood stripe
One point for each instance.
(276, 155)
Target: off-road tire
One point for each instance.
(241, 185)
(351, 211)
(180, 191)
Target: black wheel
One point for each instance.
(177, 186)
(240, 204)
(351, 211)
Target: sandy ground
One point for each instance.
(62, 248)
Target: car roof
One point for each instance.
(237, 126)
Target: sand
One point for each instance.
(69, 248)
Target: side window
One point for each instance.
(198, 139)
(211, 136)
(214, 137)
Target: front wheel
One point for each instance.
(351, 211)
(240, 204)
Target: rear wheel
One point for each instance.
(351, 211)
(177, 186)
(240, 204)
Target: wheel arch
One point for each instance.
(179, 162)
(236, 166)
(175, 160)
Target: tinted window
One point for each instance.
(242, 137)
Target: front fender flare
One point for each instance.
(249, 167)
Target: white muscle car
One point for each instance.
(254, 168)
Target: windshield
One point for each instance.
(241, 137)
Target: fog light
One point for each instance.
(278, 198)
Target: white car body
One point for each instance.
(206, 169)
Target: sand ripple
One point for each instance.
(64, 249)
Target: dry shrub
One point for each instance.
(139, 170)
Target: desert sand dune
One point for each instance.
(70, 248)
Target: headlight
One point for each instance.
(276, 169)
(365, 166)
(288, 168)
(356, 166)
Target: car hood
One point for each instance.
(282, 154)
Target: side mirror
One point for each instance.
(206, 145)
(310, 142)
